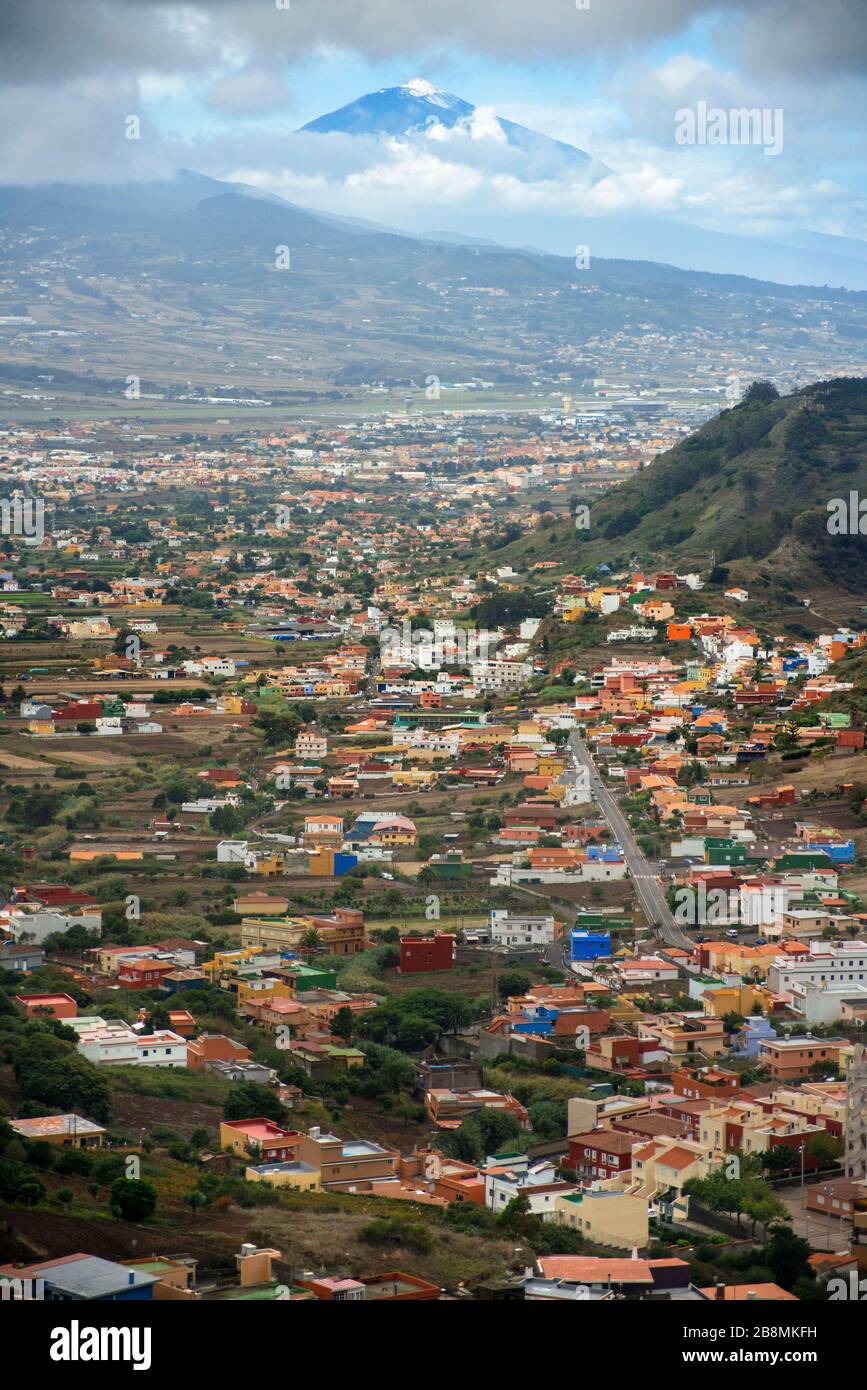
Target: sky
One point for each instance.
(223, 86)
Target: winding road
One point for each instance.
(648, 887)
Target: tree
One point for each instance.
(133, 1199)
(512, 982)
(480, 1135)
(760, 393)
(787, 1256)
(343, 1024)
(51, 1072)
(246, 1100)
(824, 1148)
(35, 810)
(228, 820)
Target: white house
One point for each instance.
(518, 929)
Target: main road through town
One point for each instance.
(648, 887)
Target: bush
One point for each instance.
(133, 1199)
(391, 1231)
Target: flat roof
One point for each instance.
(45, 1125)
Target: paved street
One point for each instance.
(648, 887)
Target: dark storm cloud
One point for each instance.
(56, 40)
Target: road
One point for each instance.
(648, 887)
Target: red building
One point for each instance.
(601, 1153)
(422, 954)
(80, 710)
(55, 1005)
(144, 974)
(706, 1083)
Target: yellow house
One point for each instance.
(225, 963)
(605, 1215)
(258, 990)
(263, 904)
(297, 1175)
(42, 728)
(550, 765)
(729, 999)
(667, 1163)
(414, 779)
(262, 933)
(573, 608)
(271, 866)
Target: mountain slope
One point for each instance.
(750, 489)
(418, 108)
(178, 283)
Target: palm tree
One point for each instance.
(312, 939)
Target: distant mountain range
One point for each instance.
(177, 281)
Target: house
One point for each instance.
(449, 1108)
(510, 1175)
(22, 958)
(145, 973)
(82, 1278)
(65, 1131)
(605, 1274)
(347, 1165)
(261, 1136)
(51, 1005)
(521, 929)
(601, 1153)
(788, 1059)
(214, 1047)
(393, 1286)
(258, 904)
(111, 1042)
(301, 1177)
(642, 970)
(605, 1216)
(420, 955)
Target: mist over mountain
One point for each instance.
(420, 109)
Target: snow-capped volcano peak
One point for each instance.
(418, 110)
(420, 87)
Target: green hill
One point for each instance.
(749, 491)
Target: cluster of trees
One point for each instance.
(738, 1189)
(413, 1021)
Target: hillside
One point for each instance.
(178, 282)
(749, 491)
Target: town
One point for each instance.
(396, 907)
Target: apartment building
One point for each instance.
(829, 963)
(605, 1216)
(787, 1059)
(347, 1165)
(520, 929)
(110, 1042)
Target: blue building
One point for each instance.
(838, 854)
(589, 945)
(751, 1034)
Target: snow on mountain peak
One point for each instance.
(420, 87)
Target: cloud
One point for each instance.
(72, 73)
(47, 40)
(249, 91)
